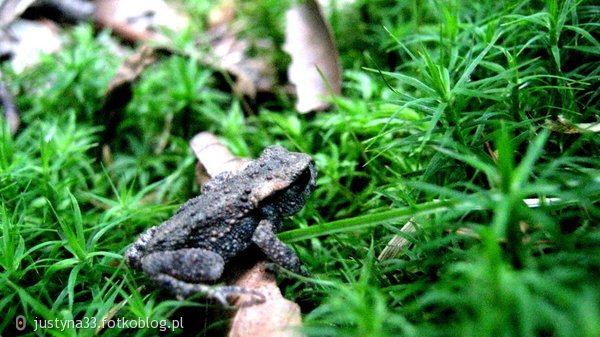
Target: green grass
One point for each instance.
(444, 120)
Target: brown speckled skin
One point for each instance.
(232, 212)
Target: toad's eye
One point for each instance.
(303, 179)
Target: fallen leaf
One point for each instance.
(563, 125)
(139, 20)
(252, 76)
(315, 68)
(230, 53)
(214, 157)
(132, 68)
(12, 9)
(24, 41)
(226, 51)
(120, 89)
(277, 316)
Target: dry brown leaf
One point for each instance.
(139, 20)
(120, 89)
(227, 52)
(315, 69)
(12, 9)
(252, 76)
(213, 157)
(132, 68)
(230, 53)
(277, 316)
(25, 41)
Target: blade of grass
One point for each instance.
(375, 219)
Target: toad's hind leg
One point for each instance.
(182, 271)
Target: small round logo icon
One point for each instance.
(20, 323)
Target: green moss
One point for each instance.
(444, 120)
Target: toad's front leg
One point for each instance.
(182, 272)
(277, 251)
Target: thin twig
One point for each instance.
(10, 109)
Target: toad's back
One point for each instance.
(219, 221)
